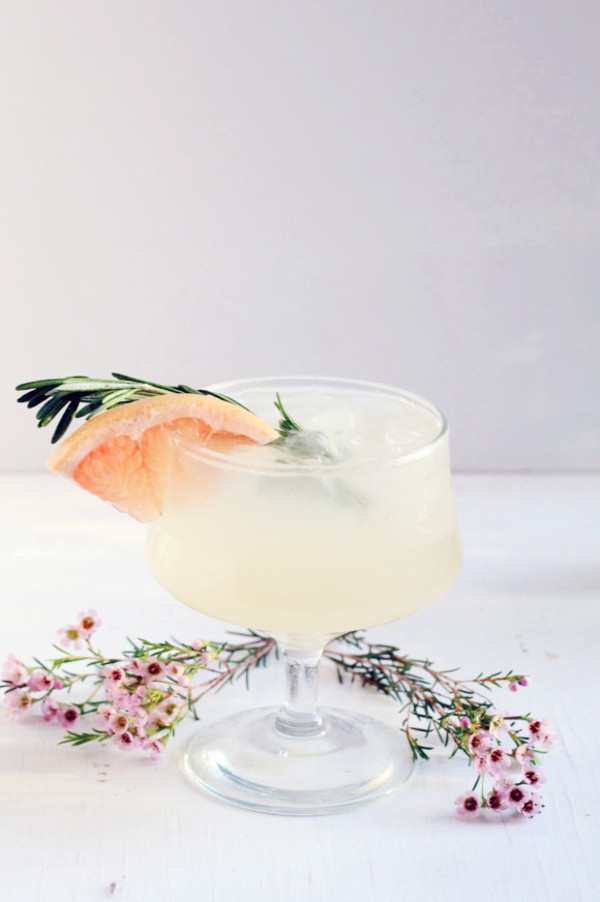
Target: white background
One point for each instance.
(399, 191)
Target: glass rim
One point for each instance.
(281, 468)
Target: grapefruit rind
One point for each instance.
(120, 455)
(136, 417)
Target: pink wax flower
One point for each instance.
(72, 635)
(40, 681)
(117, 723)
(523, 755)
(18, 702)
(465, 723)
(479, 743)
(533, 775)
(155, 747)
(492, 761)
(497, 723)
(170, 707)
(139, 716)
(502, 782)
(164, 713)
(175, 669)
(513, 687)
(524, 681)
(499, 760)
(517, 796)
(139, 736)
(14, 671)
(120, 698)
(153, 670)
(67, 715)
(114, 674)
(124, 740)
(88, 622)
(104, 714)
(532, 805)
(50, 709)
(482, 764)
(467, 805)
(540, 733)
(496, 799)
(198, 644)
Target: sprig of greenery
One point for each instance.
(139, 698)
(432, 701)
(286, 424)
(82, 396)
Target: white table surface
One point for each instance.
(97, 823)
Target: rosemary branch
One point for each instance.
(286, 424)
(73, 397)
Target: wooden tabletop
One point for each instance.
(97, 823)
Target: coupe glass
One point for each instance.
(346, 525)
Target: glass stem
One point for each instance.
(299, 715)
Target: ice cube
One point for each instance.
(308, 447)
(345, 445)
(333, 413)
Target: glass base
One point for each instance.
(247, 759)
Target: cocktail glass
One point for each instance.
(347, 525)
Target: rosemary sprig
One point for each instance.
(286, 423)
(81, 396)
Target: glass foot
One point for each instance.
(250, 759)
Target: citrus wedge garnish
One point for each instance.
(121, 455)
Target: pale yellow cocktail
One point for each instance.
(349, 524)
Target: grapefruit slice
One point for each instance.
(121, 455)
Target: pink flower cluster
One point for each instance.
(22, 683)
(66, 715)
(25, 685)
(491, 759)
(144, 698)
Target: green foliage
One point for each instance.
(81, 396)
